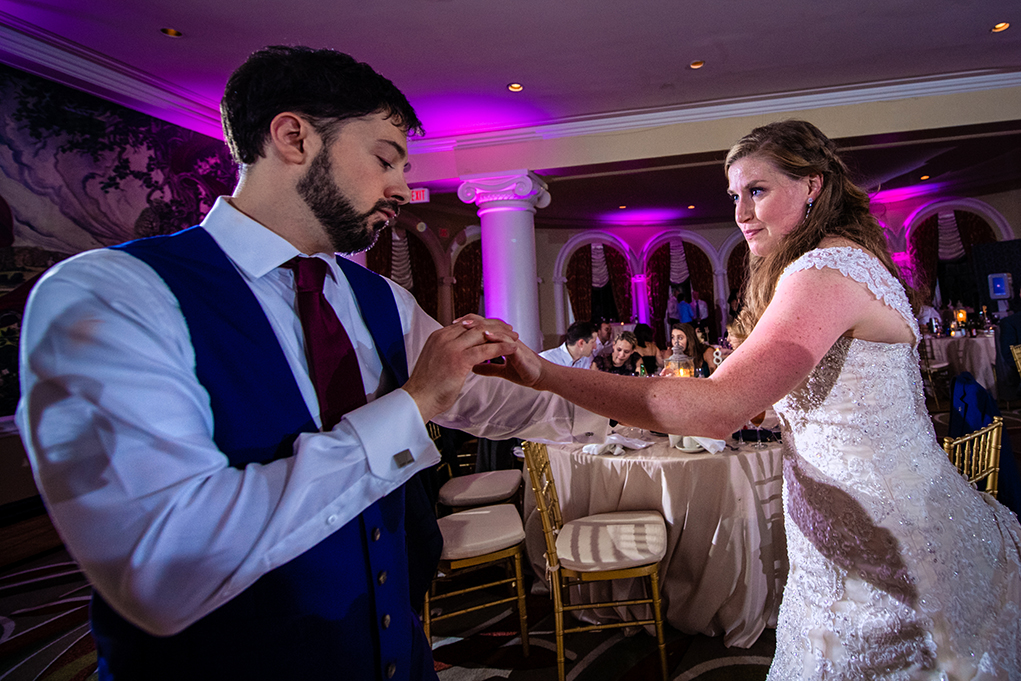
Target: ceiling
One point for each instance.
(579, 61)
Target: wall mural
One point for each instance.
(77, 173)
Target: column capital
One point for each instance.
(516, 185)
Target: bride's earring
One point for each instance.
(808, 210)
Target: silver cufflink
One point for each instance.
(402, 459)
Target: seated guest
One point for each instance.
(576, 350)
(623, 360)
(604, 338)
(700, 353)
(734, 305)
(647, 349)
(736, 333)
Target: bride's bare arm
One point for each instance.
(811, 310)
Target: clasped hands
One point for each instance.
(470, 343)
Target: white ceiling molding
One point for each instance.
(711, 111)
(33, 50)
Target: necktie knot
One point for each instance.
(309, 274)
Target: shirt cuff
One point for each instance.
(587, 427)
(393, 436)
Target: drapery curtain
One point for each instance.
(737, 267)
(379, 256)
(400, 260)
(928, 245)
(658, 271)
(678, 263)
(467, 287)
(380, 259)
(973, 229)
(600, 274)
(924, 250)
(620, 281)
(579, 282)
(950, 246)
(423, 269)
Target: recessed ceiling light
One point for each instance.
(515, 87)
(697, 64)
(1000, 27)
(924, 177)
(171, 32)
(691, 207)
(622, 207)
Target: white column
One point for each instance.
(722, 286)
(640, 296)
(559, 286)
(506, 207)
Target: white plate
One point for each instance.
(690, 450)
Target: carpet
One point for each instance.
(45, 637)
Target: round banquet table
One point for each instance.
(726, 559)
(975, 355)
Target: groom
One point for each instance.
(222, 421)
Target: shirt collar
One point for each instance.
(253, 248)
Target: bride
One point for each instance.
(898, 568)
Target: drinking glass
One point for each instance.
(757, 422)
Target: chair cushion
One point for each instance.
(479, 531)
(479, 489)
(612, 541)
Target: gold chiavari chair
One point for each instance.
(935, 373)
(606, 546)
(472, 540)
(977, 455)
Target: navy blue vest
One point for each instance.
(341, 609)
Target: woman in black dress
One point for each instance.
(623, 360)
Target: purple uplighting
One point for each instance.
(472, 113)
(641, 216)
(905, 193)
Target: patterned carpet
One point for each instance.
(487, 645)
(46, 637)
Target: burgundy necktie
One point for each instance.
(332, 363)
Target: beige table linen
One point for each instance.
(975, 355)
(726, 560)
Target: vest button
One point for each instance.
(391, 669)
(376, 534)
(386, 621)
(381, 577)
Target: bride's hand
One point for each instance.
(522, 366)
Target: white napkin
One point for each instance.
(616, 444)
(710, 445)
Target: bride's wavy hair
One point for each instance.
(799, 149)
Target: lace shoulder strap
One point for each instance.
(864, 268)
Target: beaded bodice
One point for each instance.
(898, 567)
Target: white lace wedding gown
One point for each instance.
(898, 568)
